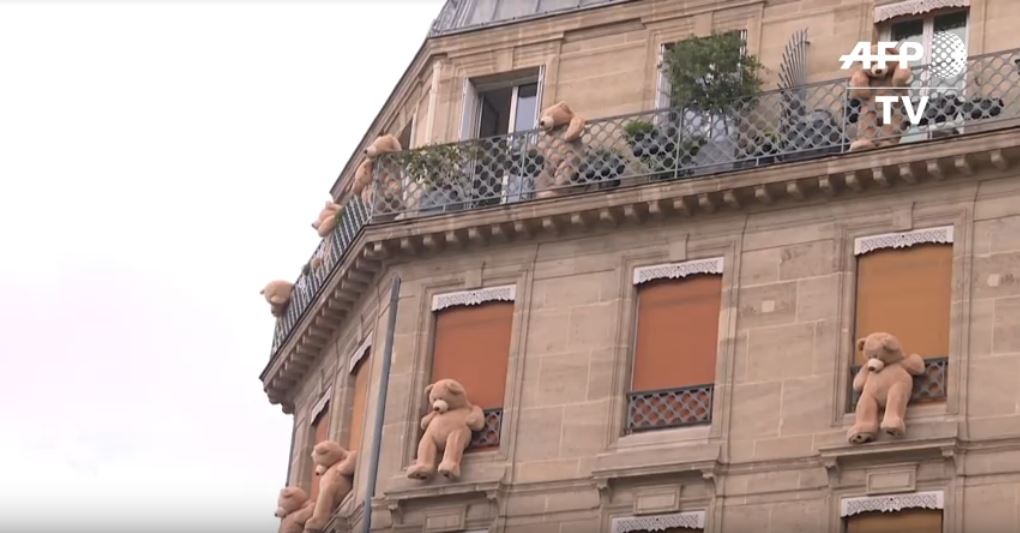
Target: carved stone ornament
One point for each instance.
(678, 270)
(906, 239)
(892, 503)
(908, 8)
(659, 522)
(359, 353)
(504, 293)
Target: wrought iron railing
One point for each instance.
(488, 436)
(803, 122)
(929, 387)
(669, 408)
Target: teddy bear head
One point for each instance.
(326, 454)
(327, 219)
(381, 145)
(291, 499)
(277, 293)
(890, 74)
(880, 349)
(446, 394)
(560, 115)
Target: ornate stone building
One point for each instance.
(666, 340)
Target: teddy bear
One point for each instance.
(277, 293)
(365, 174)
(866, 84)
(564, 153)
(334, 466)
(447, 428)
(324, 226)
(884, 381)
(293, 508)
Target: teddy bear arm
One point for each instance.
(574, 129)
(346, 467)
(914, 364)
(476, 419)
(425, 420)
(861, 378)
(860, 85)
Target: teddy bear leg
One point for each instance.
(865, 421)
(896, 410)
(424, 466)
(323, 508)
(454, 452)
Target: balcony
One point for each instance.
(667, 145)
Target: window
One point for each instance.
(906, 291)
(361, 372)
(905, 521)
(320, 432)
(472, 345)
(675, 350)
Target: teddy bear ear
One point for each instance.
(860, 344)
(891, 343)
(428, 389)
(455, 387)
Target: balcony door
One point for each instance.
(498, 111)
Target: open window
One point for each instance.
(320, 432)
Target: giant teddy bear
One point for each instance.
(335, 467)
(368, 172)
(884, 381)
(324, 226)
(293, 508)
(866, 84)
(447, 429)
(562, 147)
(277, 293)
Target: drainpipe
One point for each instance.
(380, 412)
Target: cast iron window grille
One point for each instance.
(488, 437)
(929, 387)
(669, 408)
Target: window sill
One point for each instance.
(656, 437)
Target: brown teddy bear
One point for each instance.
(865, 86)
(563, 153)
(324, 226)
(364, 175)
(884, 381)
(277, 293)
(335, 467)
(448, 428)
(293, 508)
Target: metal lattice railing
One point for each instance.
(669, 408)
(928, 387)
(488, 437)
(803, 122)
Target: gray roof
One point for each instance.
(463, 15)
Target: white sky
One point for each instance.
(159, 162)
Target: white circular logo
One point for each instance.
(949, 55)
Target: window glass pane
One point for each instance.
(527, 100)
(949, 49)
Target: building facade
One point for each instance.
(667, 342)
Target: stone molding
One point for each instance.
(359, 353)
(908, 8)
(906, 239)
(661, 522)
(891, 503)
(503, 293)
(678, 270)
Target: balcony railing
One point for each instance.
(669, 408)
(684, 142)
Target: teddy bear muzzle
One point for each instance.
(440, 406)
(875, 365)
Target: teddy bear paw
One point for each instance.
(860, 437)
(894, 428)
(449, 470)
(419, 471)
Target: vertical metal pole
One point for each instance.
(380, 411)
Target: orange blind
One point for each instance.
(359, 401)
(905, 521)
(472, 344)
(677, 332)
(906, 292)
(320, 430)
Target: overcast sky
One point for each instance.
(159, 162)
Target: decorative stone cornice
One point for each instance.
(358, 354)
(503, 293)
(661, 522)
(678, 270)
(905, 165)
(906, 239)
(890, 503)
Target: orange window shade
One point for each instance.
(359, 402)
(320, 432)
(905, 521)
(907, 292)
(677, 332)
(472, 345)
